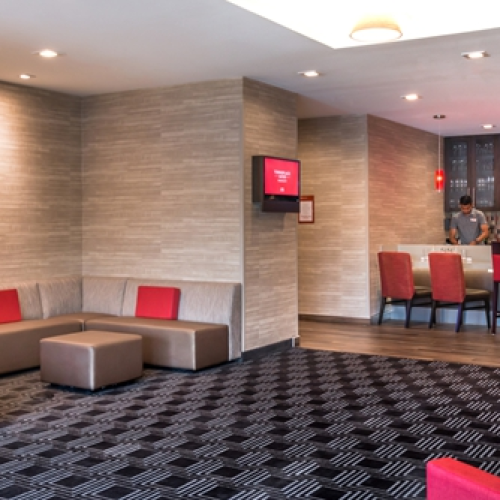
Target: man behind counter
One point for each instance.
(469, 224)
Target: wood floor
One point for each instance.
(473, 344)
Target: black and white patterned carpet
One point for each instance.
(299, 424)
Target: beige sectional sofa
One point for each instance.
(207, 331)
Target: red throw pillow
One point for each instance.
(158, 302)
(10, 310)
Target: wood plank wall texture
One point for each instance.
(404, 207)
(373, 184)
(270, 293)
(40, 184)
(333, 251)
(162, 182)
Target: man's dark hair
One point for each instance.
(465, 200)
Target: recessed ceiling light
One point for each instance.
(477, 54)
(25, 76)
(411, 97)
(310, 74)
(47, 53)
(488, 126)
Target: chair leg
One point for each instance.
(432, 318)
(409, 304)
(495, 306)
(381, 311)
(460, 314)
(487, 309)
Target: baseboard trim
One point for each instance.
(334, 319)
(269, 349)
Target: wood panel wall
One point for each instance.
(40, 184)
(333, 251)
(270, 247)
(162, 186)
(373, 185)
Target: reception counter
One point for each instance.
(477, 269)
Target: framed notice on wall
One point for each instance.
(306, 213)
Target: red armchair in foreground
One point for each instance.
(449, 479)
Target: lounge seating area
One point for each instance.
(204, 331)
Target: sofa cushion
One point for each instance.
(207, 302)
(103, 295)
(61, 296)
(29, 299)
(20, 341)
(160, 302)
(10, 310)
(186, 345)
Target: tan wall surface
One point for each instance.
(40, 184)
(404, 207)
(162, 187)
(270, 251)
(333, 251)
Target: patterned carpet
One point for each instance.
(299, 424)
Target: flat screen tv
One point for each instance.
(276, 183)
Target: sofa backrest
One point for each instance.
(103, 294)
(203, 301)
(61, 296)
(208, 302)
(29, 299)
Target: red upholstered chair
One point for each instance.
(448, 288)
(495, 258)
(448, 478)
(396, 280)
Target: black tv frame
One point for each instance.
(272, 203)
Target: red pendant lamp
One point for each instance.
(439, 172)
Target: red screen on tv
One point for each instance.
(281, 177)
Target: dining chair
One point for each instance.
(449, 290)
(495, 260)
(397, 286)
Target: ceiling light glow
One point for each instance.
(310, 74)
(48, 53)
(478, 54)
(488, 126)
(325, 22)
(411, 97)
(25, 76)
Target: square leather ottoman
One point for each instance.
(91, 359)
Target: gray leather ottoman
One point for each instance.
(91, 359)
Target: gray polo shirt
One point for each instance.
(468, 226)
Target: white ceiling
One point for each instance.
(116, 45)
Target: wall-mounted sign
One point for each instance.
(306, 213)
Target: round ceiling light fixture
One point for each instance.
(376, 29)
